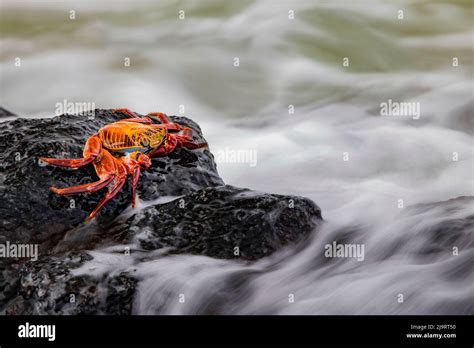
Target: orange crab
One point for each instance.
(124, 148)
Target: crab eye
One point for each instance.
(145, 142)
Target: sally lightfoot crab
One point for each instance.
(124, 148)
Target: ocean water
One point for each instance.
(313, 124)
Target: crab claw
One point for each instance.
(135, 163)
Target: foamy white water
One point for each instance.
(336, 115)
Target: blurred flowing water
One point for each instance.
(285, 62)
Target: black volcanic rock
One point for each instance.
(225, 222)
(48, 286)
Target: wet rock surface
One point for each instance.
(202, 216)
(225, 222)
(48, 286)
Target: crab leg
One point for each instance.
(133, 116)
(161, 116)
(91, 151)
(149, 121)
(120, 181)
(135, 163)
(145, 120)
(126, 112)
(134, 180)
(186, 132)
(85, 188)
(185, 139)
(165, 121)
(193, 146)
